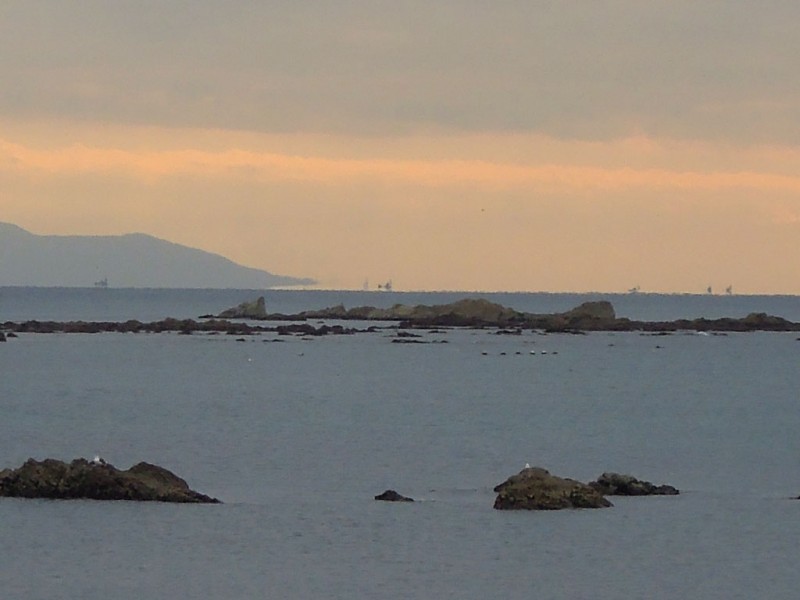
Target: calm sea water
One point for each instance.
(297, 437)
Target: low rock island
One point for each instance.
(96, 480)
(598, 315)
(470, 313)
(535, 488)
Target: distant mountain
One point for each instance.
(133, 260)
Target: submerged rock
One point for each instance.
(614, 484)
(96, 480)
(535, 488)
(392, 496)
(257, 309)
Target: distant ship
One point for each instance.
(729, 290)
(386, 287)
(103, 283)
(634, 290)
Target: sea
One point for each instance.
(296, 436)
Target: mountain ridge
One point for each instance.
(128, 260)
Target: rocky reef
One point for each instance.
(596, 315)
(96, 480)
(170, 325)
(535, 488)
(470, 312)
(615, 484)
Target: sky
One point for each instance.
(532, 145)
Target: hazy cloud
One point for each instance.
(489, 174)
(590, 70)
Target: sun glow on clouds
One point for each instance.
(431, 211)
(258, 165)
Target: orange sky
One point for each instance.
(463, 214)
(559, 147)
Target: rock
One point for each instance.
(96, 480)
(614, 484)
(535, 488)
(2, 337)
(477, 310)
(392, 496)
(305, 329)
(335, 312)
(590, 316)
(469, 312)
(407, 334)
(765, 322)
(601, 309)
(246, 310)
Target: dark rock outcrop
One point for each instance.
(257, 309)
(472, 312)
(96, 480)
(615, 484)
(306, 329)
(589, 316)
(600, 309)
(2, 337)
(535, 488)
(181, 326)
(469, 312)
(392, 496)
(765, 322)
